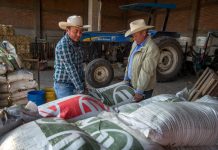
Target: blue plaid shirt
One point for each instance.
(68, 63)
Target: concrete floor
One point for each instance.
(46, 80)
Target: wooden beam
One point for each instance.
(93, 9)
(38, 23)
(195, 12)
(85, 11)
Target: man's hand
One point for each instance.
(126, 82)
(138, 97)
(86, 91)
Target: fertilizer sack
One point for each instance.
(73, 107)
(48, 133)
(20, 75)
(116, 94)
(112, 134)
(176, 124)
(129, 108)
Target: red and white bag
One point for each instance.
(73, 107)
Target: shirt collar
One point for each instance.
(143, 43)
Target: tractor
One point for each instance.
(106, 48)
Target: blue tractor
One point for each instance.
(105, 48)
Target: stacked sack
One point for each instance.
(96, 133)
(14, 82)
(21, 42)
(18, 84)
(174, 123)
(163, 122)
(114, 95)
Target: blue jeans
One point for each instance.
(148, 94)
(64, 89)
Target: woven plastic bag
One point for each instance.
(195, 148)
(48, 133)
(176, 124)
(208, 99)
(20, 75)
(111, 133)
(116, 94)
(73, 107)
(129, 108)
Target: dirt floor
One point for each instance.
(46, 80)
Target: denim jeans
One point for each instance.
(148, 94)
(64, 89)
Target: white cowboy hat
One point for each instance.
(136, 26)
(75, 21)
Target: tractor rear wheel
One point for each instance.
(171, 58)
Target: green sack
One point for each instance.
(7, 63)
(112, 134)
(13, 62)
(48, 133)
(119, 93)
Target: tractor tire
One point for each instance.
(171, 58)
(99, 73)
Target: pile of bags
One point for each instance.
(14, 82)
(95, 133)
(163, 122)
(14, 89)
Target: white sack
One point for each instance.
(176, 124)
(3, 80)
(18, 85)
(129, 108)
(195, 148)
(20, 75)
(3, 69)
(208, 99)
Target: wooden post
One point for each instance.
(195, 12)
(38, 24)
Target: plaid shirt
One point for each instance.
(68, 63)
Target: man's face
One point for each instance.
(74, 33)
(139, 37)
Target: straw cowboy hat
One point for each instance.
(136, 26)
(73, 21)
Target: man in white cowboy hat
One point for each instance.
(142, 62)
(69, 75)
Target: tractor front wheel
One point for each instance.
(99, 73)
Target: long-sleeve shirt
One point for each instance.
(68, 66)
(136, 49)
(144, 64)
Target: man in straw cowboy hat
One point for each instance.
(142, 62)
(69, 75)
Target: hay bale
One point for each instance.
(22, 48)
(7, 30)
(21, 39)
(11, 39)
